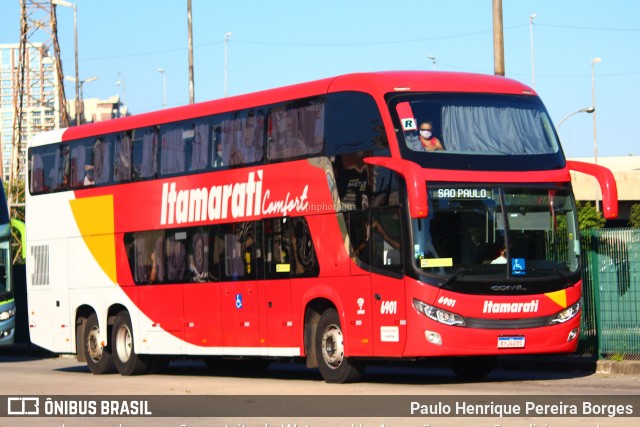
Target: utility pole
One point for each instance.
(34, 68)
(498, 39)
(191, 86)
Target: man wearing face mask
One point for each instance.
(428, 142)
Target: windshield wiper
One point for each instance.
(460, 272)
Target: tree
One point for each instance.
(16, 213)
(588, 217)
(634, 218)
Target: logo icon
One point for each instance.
(238, 301)
(360, 305)
(23, 406)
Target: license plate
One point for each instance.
(510, 342)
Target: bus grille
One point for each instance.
(536, 322)
(40, 275)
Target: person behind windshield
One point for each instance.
(502, 257)
(426, 141)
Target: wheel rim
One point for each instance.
(332, 346)
(124, 345)
(93, 345)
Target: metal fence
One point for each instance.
(611, 294)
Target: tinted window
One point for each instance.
(145, 153)
(296, 129)
(50, 168)
(353, 123)
(122, 157)
(477, 132)
(82, 169)
(276, 248)
(241, 137)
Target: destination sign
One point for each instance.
(462, 193)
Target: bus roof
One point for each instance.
(376, 83)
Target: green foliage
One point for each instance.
(634, 218)
(588, 217)
(16, 212)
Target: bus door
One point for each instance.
(279, 265)
(387, 283)
(239, 287)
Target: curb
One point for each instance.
(623, 367)
(570, 364)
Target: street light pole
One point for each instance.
(75, 43)
(582, 110)
(120, 82)
(594, 61)
(226, 64)
(190, 30)
(533, 68)
(433, 61)
(164, 87)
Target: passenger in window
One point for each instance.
(502, 257)
(218, 161)
(88, 175)
(153, 274)
(101, 161)
(122, 167)
(426, 141)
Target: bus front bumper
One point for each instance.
(7, 332)
(429, 338)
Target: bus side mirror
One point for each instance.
(413, 176)
(607, 185)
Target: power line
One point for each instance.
(296, 44)
(576, 27)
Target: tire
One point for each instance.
(329, 341)
(475, 367)
(126, 360)
(98, 357)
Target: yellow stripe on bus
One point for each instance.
(95, 219)
(559, 297)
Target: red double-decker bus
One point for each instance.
(397, 215)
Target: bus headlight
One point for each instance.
(438, 314)
(566, 314)
(8, 314)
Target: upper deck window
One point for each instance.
(477, 131)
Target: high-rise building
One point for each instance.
(41, 106)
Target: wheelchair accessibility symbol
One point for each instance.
(238, 300)
(518, 266)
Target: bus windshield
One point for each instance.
(498, 230)
(6, 291)
(470, 131)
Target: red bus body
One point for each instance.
(88, 236)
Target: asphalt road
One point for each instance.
(191, 380)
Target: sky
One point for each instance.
(277, 43)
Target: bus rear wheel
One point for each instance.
(98, 357)
(332, 363)
(127, 361)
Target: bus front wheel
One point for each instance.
(127, 361)
(98, 357)
(332, 363)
